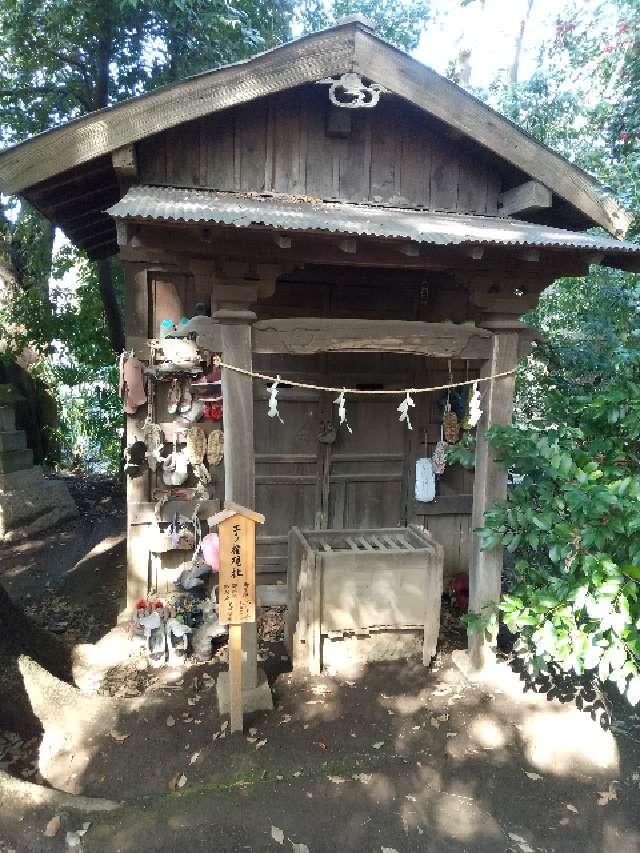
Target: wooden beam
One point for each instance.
(282, 241)
(529, 196)
(312, 335)
(490, 485)
(125, 163)
(348, 246)
(235, 318)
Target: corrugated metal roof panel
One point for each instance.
(289, 214)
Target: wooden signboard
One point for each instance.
(237, 591)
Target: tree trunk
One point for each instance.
(113, 315)
(515, 67)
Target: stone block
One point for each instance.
(33, 505)
(253, 699)
(7, 418)
(15, 460)
(12, 440)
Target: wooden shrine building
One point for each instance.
(354, 220)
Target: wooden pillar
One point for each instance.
(136, 322)
(490, 485)
(232, 312)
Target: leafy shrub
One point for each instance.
(573, 524)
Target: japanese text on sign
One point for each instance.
(237, 570)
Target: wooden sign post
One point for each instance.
(237, 592)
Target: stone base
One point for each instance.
(488, 673)
(29, 504)
(350, 654)
(257, 699)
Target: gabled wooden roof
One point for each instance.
(74, 160)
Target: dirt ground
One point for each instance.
(401, 758)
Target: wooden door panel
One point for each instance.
(287, 476)
(367, 467)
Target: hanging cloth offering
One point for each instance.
(425, 480)
(474, 412)
(404, 407)
(342, 410)
(272, 411)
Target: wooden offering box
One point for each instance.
(357, 581)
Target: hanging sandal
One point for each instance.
(215, 447)
(196, 445)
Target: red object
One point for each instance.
(459, 586)
(213, 411)
(158, 605)
(142, 604)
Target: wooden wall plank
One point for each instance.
(393, 155)
(218, 158)
(445, 175)
(250, 147)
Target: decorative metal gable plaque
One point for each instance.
(350, 92)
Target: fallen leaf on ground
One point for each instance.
(117, 736)
(365, 778)
(337, 780)
(194, 758)
(298, 773)
(378, 745)
(572, 808)
(535, 776)
(261, 743)
(277, 835)
(521, 842)
(170, 721)
(52, 827)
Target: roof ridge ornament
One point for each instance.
(349, 91)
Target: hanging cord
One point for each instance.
(336, 390)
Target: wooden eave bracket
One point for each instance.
(125, 162)
(532, 195)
